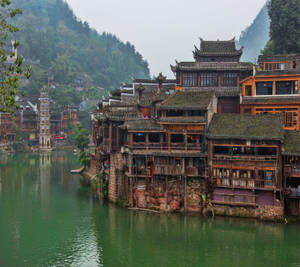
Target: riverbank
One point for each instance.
(168, 196)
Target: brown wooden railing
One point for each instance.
(244, 158)
(164, 146)
(168, 170)
(292, 170)
(234, 199)
(243, 183)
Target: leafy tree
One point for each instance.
(68, 47)
(11, 68)
(82, 138)
(269, 48)
(285, 26)
(61, 69)
(84, 159)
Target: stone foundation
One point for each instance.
(271, 213)
(171, 195)
(115, 184)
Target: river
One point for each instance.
(49, 218)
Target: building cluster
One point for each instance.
(35, 118)
(223, 137)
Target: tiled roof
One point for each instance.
(278, 72)
(153, 81)
(127, 85)
(253, 127)
(278, 58)
(142, 125)
(292, 143)
(215, 66)
(195, 119)
(154, 97)
(219, 91)
(271, 99)
(218, 48)
(187, 100)
(127, 91)
(118, 116)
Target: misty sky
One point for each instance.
(165, 30)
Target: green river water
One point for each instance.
(48, 218)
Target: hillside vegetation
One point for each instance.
(53, 39)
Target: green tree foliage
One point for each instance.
(269, 48)
(84, 159)
(11, 68)
(82, 138)
(68, 48)
(285, 26)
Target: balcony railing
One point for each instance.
(244, 183)
(234, 199)
(244, 157)
(164, 146)
(292, 170)
(165, 170)
(168, 170)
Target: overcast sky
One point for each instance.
(165, 30)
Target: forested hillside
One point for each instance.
(53, 39)
(255, 37)
(284, 28)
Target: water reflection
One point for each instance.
(49, 219)
(139, 239)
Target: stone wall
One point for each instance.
(262, 212)
(171, 194)
(115, 184)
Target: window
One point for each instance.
(264, 88)
(178, 77)
(291, 118)
(266, 151)
(209, 79)
(139, 138)
(192, 113)
(177, 138)
(224, 150)
(154, 138)
(284, 88)
(229, 79)
(189, 79)
(175, 113)
(248, 90)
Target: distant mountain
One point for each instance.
(53, 36)
(255, 37)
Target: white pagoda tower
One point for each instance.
(45, 135)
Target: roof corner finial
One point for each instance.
(233, 39)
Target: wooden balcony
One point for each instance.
(234, 199)
(166, 147)
(244, 158)
(292, 171)
(244, 183)
(168, 170)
